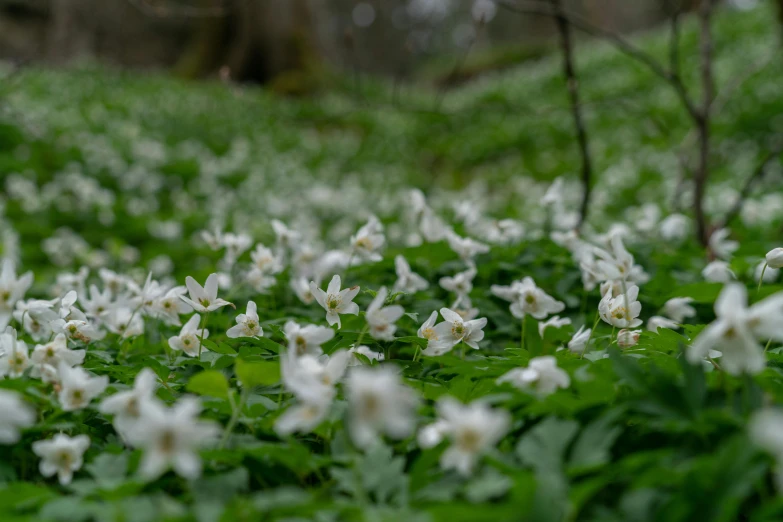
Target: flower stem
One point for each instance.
(522, 341)
(361, 335)
(590, 337)
(761, 279)
(201, 339)
(236, 409)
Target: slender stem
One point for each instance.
(589, 337)
(611, 338)
(201, 339)
(767, 346)
(361, 335)
(572, 83)
(522, 341)
(235, 411)
(761, 280)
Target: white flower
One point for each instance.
(382, 318)
(61, 455)
(306, 339)
(188, 340)
(260, 281)
(432, 227)
(618, 265)
(774, 258)
(203, 299)
(303, 417)
(718, 272)
(265, 261)
(378, 403)
(454, 330)
(14, 355)
(766, 431)
(527, 298)
(464, 307)
(674, 227)
(77, 387)
(312, 381)
(15, 414)
(170, 306)
(301, 288)
(432, 434)
(679, 309)
(98, 303)
(555, 322)
(578, 342)
(461, 284)
(736, 329)
(541, 375)
(247, 324)
(721, 245)
(336, 301)
(427, 331)
(627, 338)
(53, 353)
(366, 352)
(473, 429)
(124, 321)
(125, 405)
(621, 311)
(12, 289)
(657, 321)
(407, 280)
(465, 247)
(368, 240)
(286, 237)
(170, 437)
(75, 329)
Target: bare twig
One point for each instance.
(535, 7)
(162, 9)
(572, 83)
(755, 177)
(702, 121)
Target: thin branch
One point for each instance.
(161, 9)
(755, 177)
(674, 39)
(701, 174)
(577, 22)
(572, 82)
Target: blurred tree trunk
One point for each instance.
(255, 41)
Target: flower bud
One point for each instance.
(775, 258)
(626, 338)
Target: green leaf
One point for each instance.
(210, 382)
(219, 347)
(592, 447)
(258, 373)
(544, 445)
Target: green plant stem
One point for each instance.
(361, 335)
(761, 279)
(590, 337)
(201, 339)
(522, 341)
(236, 409)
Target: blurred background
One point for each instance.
(267, 41)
